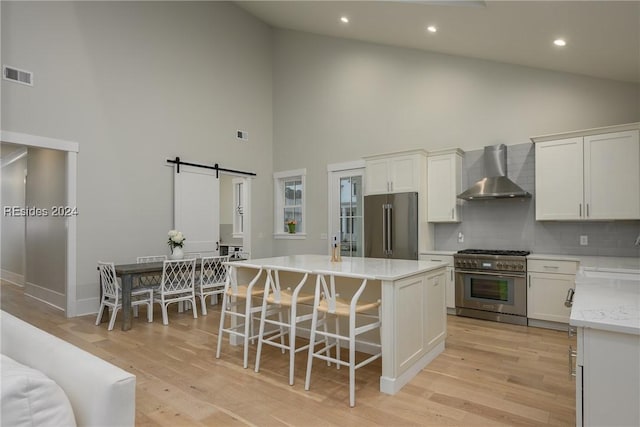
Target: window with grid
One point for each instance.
(290, 204)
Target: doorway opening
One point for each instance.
(235, 215)
(45, 255)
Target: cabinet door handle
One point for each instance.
(452, 212)
(580, 215)
(587, 210)
(572, 354)
(568, 302)
(529, 277)
(555, 267)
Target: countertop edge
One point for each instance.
(435, 266)
(631, 330)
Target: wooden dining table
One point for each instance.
(128, 273)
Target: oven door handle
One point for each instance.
(485, 273)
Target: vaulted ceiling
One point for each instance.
(602, 37)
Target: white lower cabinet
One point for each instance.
(547, 287)
(418, 297)
(607, 378)
(436, 311)
(450, 290)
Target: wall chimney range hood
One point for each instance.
(495, 184)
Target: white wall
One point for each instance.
(136, 83)
(337, 100)
(46, 232)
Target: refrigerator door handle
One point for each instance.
(384, 229)
(389, 229)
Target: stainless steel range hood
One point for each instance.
(495, 184)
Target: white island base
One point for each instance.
(414, 319)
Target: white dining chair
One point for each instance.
(238, 307)
(112, 295)
(285, 297)
(213, 276)
(152, 279)
(327, 302)
(177, 285)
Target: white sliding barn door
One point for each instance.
(196, 208)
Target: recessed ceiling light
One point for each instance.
(344, 19)
(432, 28)
(560, 42)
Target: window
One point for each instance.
(289, 204)
(238, 207)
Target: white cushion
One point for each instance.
(30, 398)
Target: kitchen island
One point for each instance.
(414, 323)
(606, 314)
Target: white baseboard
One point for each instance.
(393, 385)
(558, 326)
(53, 298)
(13, 278)
(87, 306)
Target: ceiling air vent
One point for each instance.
(16, 75)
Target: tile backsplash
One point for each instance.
(511, 224)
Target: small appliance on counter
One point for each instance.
(232, 251)
(491, 285)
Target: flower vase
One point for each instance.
(177, 253)
(292, 228)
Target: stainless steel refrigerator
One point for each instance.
(391, 226)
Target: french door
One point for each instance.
(346, 219)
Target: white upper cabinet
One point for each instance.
(591, 177)
(394, 173)
(612, 176)
(559, 181)
(444, 183)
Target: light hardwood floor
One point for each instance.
(490, 374)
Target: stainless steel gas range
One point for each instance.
(491, 285)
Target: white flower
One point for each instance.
(176, 238)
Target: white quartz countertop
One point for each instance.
(375, 268)
(607, 301)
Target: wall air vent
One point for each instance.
(16, 75)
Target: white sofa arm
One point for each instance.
(101, 394)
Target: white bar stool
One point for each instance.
(283, 301)
(235, 295)
(327, 301)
